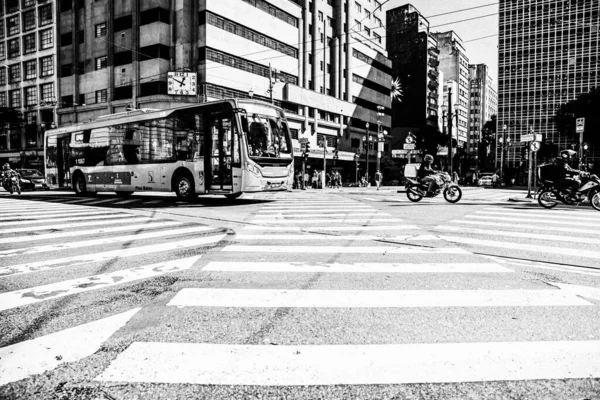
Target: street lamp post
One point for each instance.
(324, 162)
(503, 150)
(380, 135)
(366, 142)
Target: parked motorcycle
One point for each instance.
(11, 184)
(416, 190)
(588, 191)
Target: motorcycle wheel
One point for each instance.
(595, 201)
(547, 199)
(413, 195)
(452, 194)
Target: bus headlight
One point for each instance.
(290, 170)
(253, 169)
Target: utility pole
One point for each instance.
(324, 162)
(271, 82)
(503, 144)
(450, 116)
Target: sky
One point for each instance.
(482, 51)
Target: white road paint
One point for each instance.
(543, 221)
(525, 247)
(541, 265)
(45, 353)
(100, 201)
(47, 212)
(524, 235)
(387, 268)
(552, 217)
(312, 210)
(320, 237)
(75, 201)
(126, 201)
(19, 298)
(331, 228)
(525, 226)
(578, 290)
(349, 219)
(546, 213)
(37, 218)
(27, 207)
(261, 298)
(323, 214)
(115, 219)
(102, 241)
(106, 214)
(12, 270)
(262, 365)
(153, 202)
(343, 249)
(58, 235)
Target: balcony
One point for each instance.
(433, 85)
(433, 74)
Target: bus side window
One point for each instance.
(198, 143)
(131, 144)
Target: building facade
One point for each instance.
(455, 66)
(414, 54)
(548, 54)
(483, 104)
(324, 62)
(28, 77)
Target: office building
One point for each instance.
(27, 78)
(548, 54)
(324, 62)
(483, 104)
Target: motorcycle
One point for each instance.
(11, 184)
(549, 196)
(416, 190)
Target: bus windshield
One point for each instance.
(267, 136)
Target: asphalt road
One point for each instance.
(351, 293)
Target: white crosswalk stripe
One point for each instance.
(315, 249)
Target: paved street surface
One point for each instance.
(351, 293)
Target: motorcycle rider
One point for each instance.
(566, 180)
(427, 174)
(7, 173)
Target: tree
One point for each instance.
(487, 144)
(586, 105)
(429, 137)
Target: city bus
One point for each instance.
(223, 147)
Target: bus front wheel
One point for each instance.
(184, 187)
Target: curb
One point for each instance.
(520, 200)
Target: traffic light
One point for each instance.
(586, 148)
(524, 153)
(307, 149)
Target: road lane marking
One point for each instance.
(520, 246)
(553, 217)
(533, 227)
(274, 298)
(348, 219)
(19, 298)
(537, 221)
(108, 220)
(57, 235)
(332, 228)
(348, 214)
(223, 266)
(100, 201)
(126, 201)
(343, 249)
(319, 237)
(541, 265)
(544, 212)
(17, 207)
(13, 270)
(97, 215)
(312, 210)
(37, 218)
(102, 241)
(49, 212)
(45, 353)
(525, 235)
(579, 290)
(296, 365)
(75, 201)
(153, 202)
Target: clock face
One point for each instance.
(182, 83)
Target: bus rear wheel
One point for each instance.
(80, 186)
(184, 187)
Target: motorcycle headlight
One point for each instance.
(253, 169)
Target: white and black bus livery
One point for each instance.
(224, 147)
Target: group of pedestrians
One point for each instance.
(333, 180)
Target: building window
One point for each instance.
(14, 49)
(3, 99)
(101, 62)
(12, 6)
(2, 76)
(14, 73)
(46, 39)
(358, 7)
(1, 29)
(30, 118)
(367, 31)
(368, 15)
(357, 26)
(47, 66)
(101, 29)
(30, 96)
(28, 20)
(377, 37)
(30, 68)
(13, 25)
(28, 3)
(47, 92)
(29, 43)
(320, 16)
(66, 39)
(101, 96)
(2, 52)
(45, 13)
(15, 98)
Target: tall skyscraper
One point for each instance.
(483, 104)
(548, 54)
(27, 77)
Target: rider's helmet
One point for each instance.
(567, 153)
(428, 158)
(6, 167)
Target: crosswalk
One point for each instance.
(75, 262)
(354, 296)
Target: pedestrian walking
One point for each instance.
(378, 178)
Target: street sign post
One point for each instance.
(580, 128)
(409, 146)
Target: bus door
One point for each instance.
(221, 144)
(63, 161)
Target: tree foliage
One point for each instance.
(429, 137)
(586, 105)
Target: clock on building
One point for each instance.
(182, 83)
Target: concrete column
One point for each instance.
(111, 34)
(315, 45)
(135, 45)
(349, 22)
(338, 51)
(183, 34)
